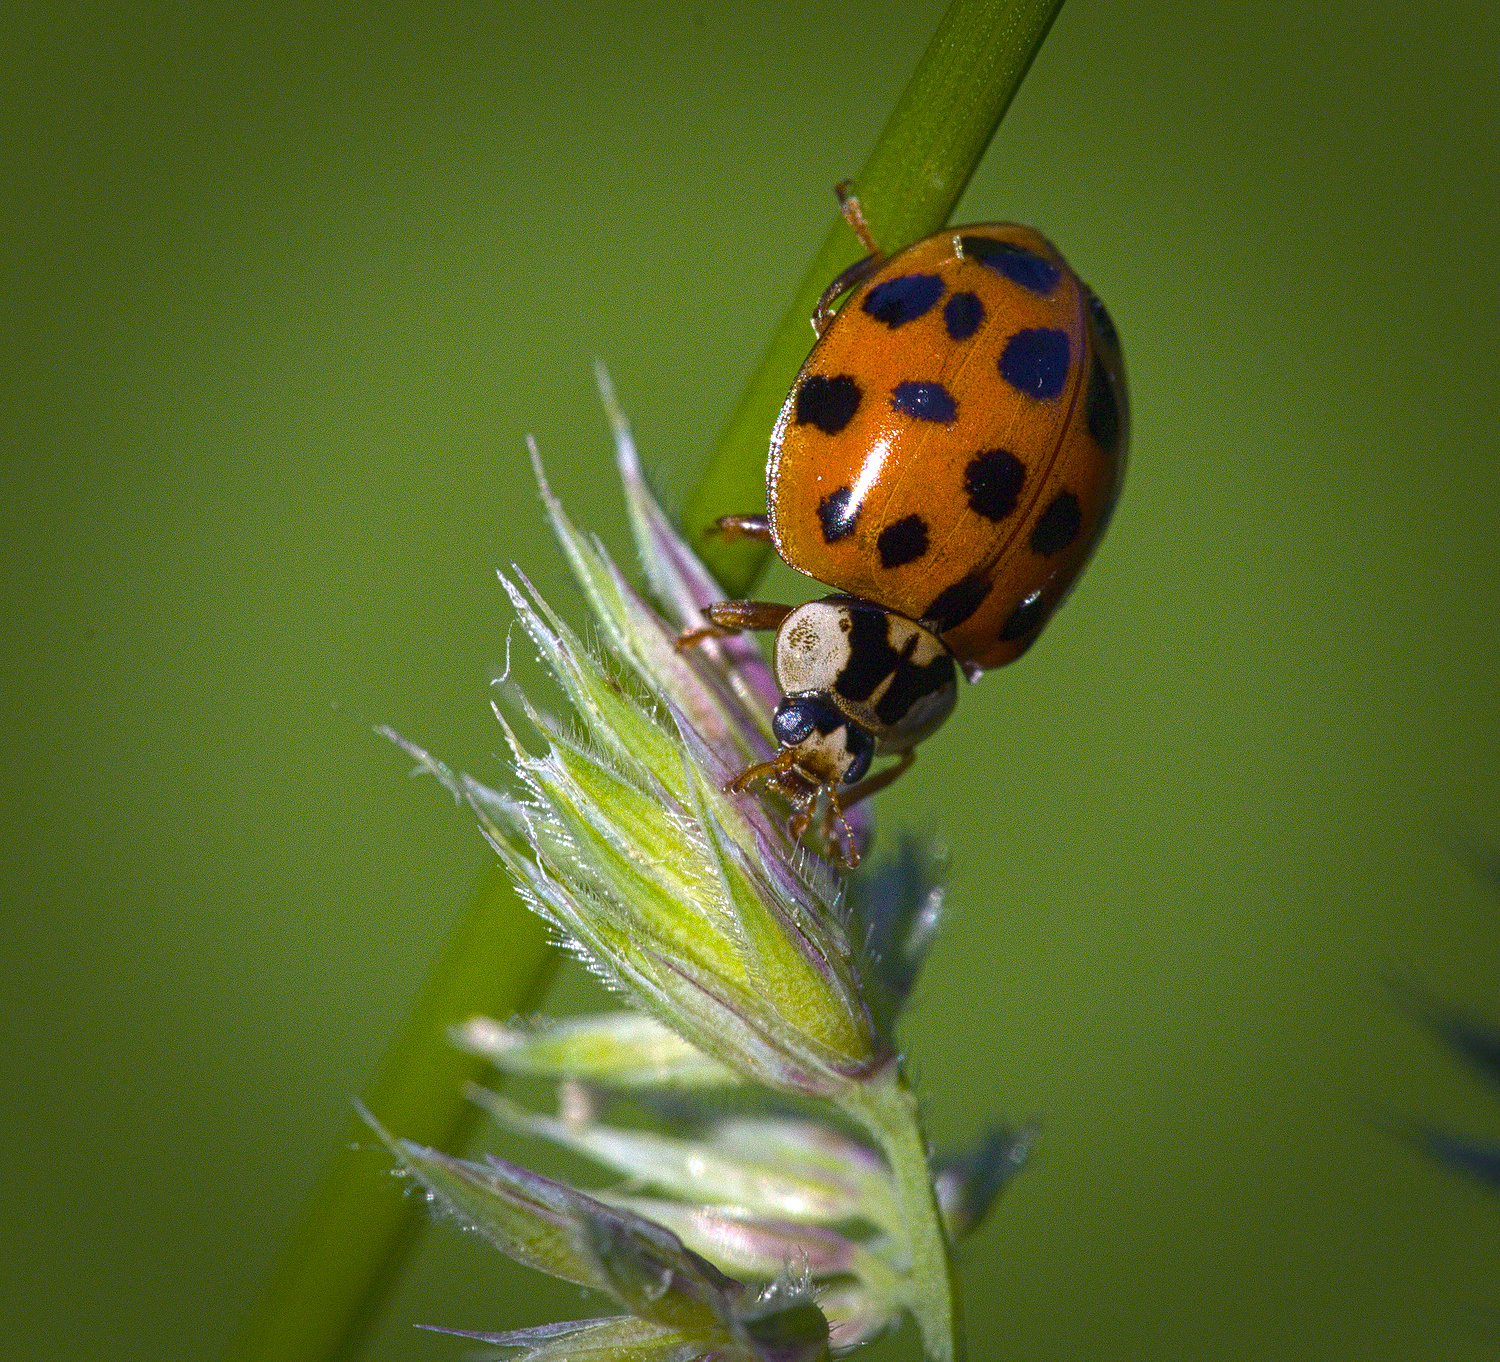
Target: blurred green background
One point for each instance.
(285, 288)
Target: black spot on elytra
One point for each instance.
(962, 314)
(1031, 271)
(1103, 322)
(1027, 616)
(1101, 410)
(924, 401)
(898, 301)
(872, 659)
(1035, 361)
(827, 403)
(1058, 526)
(837, 515)
(993, 481)
(957, 603)
(902, 542)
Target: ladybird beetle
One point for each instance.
(947, 459)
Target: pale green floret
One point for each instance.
(817, 1151)
(867, 1303)
(685, 934)
(619, 1049)
(622, 1339)
(771, 1169)
(791, 968)
(694, 1309)
(855, 1315)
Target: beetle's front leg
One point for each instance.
(837, 803)
(732, 617)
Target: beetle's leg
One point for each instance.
(803, 795)
(847, 279)
(860, 270)
(768, 771)
(782, 775)
(756, 527)
(834, 813)
(874, 784)
(837, 803)
(855, 217)
(732, 617)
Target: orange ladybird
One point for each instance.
(954, 444)
(948, 458)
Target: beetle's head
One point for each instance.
(826, 747)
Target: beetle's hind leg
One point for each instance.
(726, 618)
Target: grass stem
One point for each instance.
(887, 1108)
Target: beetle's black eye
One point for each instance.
(792, 722)
(860, 743)
(799, 715)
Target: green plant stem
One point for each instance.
(355, 1232)
(358, 1226)
(887, 1108)
(929, 148)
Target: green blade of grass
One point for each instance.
(357, 1229)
